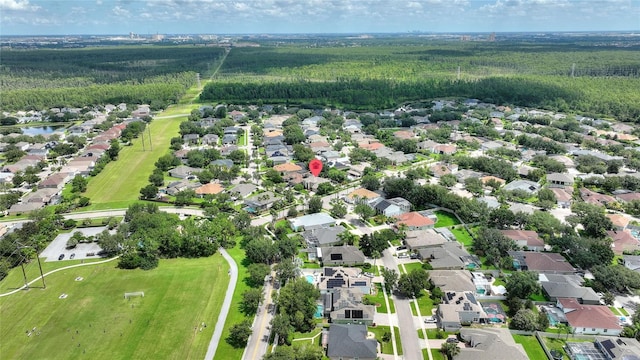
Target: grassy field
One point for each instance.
(531, 346)
(226, 351)
(425, 304)
(118, 185)
(463, 236)
(445, 219)
(387, 347)
(408, 267)
(95, 321)
(378, 298)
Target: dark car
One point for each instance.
(403, 247)
(72, 256)
(452, 340)
(61, 257)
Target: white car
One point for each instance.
(430, 320)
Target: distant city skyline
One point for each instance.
(98, 17)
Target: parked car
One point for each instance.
(368, 274)
(413, 256)
(453, 340)
(403, 256)
(403, 247)
(73, 255)
(61, 257)
(429, 320)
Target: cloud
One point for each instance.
(121, 12)
(17, 5)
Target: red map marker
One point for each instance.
(315, 166)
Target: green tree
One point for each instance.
(251, 299)
(390, 277)
(286, 270)
(325, 188)
(315, 205)
(364, 211)
(522, 284)
(449, 350)
(78, 184)
(524, 319)
(281, 326)
(592, 218)
(370, 182)
(412, 284)
(448, 180)
(185, 197)
(149, 192)
(473, 185)
(156, 179)
(302, 153)
(297, 299)
(239, 334)
(338, 208)
(257, 272)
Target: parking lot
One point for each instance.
(58, 246)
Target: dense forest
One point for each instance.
(595, 80)
(36, 79)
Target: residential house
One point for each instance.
(323, 236)
(451, 255)
(223, 163)
(333, 278)
(631, 262)
(441, 169)
(55, 181)
(361, 195)
(44, 196)
(345, 255)
(404, 135)
(178, 186)
(24, 208)
(486, 179)
(242, 190)
(557, 180)
(209, 189)
(428, 145)
(541, 262)
(351, 342)
(524, 185)
(210, 139)
(184, 172)
(620, 222)
(391, 207)
(623, 241)
(567, 286)
(191, 139)
(287, 168)
(589, 319)
(344, 306)
(525, 239)
(445, 149)
(312, 183)
(229, 139)
(452, 280)
(489, 344)
(618, 349)
(414, 221)
(458, 309)
(563, 198)
(261, 202)
(627, 197)
(420, 239)
(491, 202)
(312, 221)
(464, 174)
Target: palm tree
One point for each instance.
(449, 350)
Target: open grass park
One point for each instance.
(83, 311)
(119, 184)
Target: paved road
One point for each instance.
(226, 305)
(259, 341)
(410, 343)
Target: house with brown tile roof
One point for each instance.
(404, 135)
(620, 222)
(55, 181)
(525, 238)
(594, 198)
(439, 170)
(589, 319)
(623, 241)
(485, 179)
(563, 198)
(541, 262)
(361, 194)
(287, 168)
(628, 196)
(448, 149)
(371, 146)
(415, 221)
(209, 189)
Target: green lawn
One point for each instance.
(463, 236)
(95, 321)
(531, 346)
(378, 298)
(387, 347)
(445, 219)
(118, 185)
(412, 266)
(226, 351)
(425, 304)
(242, 139)
(556, 344)
(435, 353)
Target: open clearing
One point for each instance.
(94, 320)
(120, 182)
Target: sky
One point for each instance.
(74, 17)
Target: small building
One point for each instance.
(312, 221)
(414, 221)
(209, 189)
(333, 278)
(452, 280)
(361, 195)
(344, 306)
(183, 172)
(392, 207)
(350, 342)
(458, 309)
(529, 187)
(345, 255)
(541, 262)
(323, 236)
(620, 222)
(261, 202)
(489, 344)
(567, 286)
(558, 180)
(525, 239)
(623, 241)
(563, 198)
(420, 239)
(589, 319)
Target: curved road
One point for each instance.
(226, 305)
(55, 271)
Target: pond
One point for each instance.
(41, 130)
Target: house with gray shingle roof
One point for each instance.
(351, 342)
